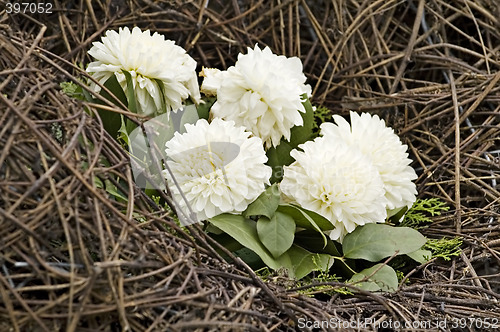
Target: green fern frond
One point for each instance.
(72, 90)
(444, 248)
(321, 114)
(322, 277)
(419, 215)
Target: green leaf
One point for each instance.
(159, 131)
(122, 131)
(116, 89)
(306, 218)
(247, 255)
(312, 241)
(97, 181)
(112, 121)
(244, 231)
(395, 216)
(299, 262)
(301, 134)
(277, 233)
(266, 204)
(130, 125)
(385, 279)
(189, 115)
(420, 255)
(277, 157)
(227, 241)
(250, 257)
(374, 242)
(147, 148)
(132, 103)
(113, 190)
(204, 108)
(316, 242)
(88, 97)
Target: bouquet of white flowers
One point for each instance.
(250, 166)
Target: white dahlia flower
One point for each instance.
(162, 72)
(218, 167)
(370, 135)
(262, 92)
(336, 181)
(212, 80)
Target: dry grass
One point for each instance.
(72, 258)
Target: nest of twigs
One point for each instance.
(75, 258)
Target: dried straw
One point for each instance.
(75, 258)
